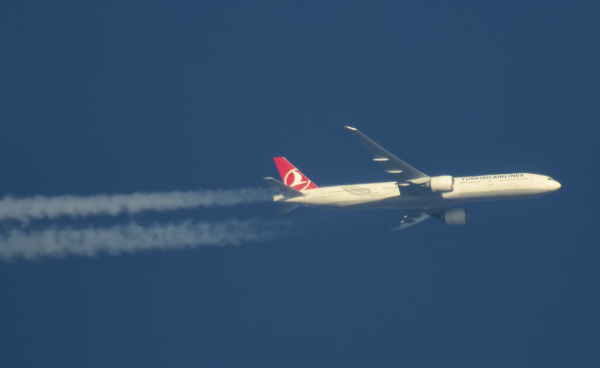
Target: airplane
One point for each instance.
(423, 196)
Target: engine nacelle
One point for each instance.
(456, 216)
(441, 183)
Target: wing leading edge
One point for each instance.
(405, 175)
(401, 171)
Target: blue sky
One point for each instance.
(122, 97)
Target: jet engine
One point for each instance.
(456, 216)
(441, 183)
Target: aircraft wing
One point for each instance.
(413, 217)
(402, 171)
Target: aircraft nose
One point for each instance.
(553, 185)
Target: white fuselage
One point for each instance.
(410, 196)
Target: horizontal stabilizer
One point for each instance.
(283, 189)
(288, 207)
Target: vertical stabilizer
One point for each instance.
(291, 176)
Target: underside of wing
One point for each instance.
(403, 172)
(414, 217)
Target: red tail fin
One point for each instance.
(291, 176)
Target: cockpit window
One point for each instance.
(550, 179)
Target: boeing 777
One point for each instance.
(423, 196)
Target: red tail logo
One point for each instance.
(291, 176)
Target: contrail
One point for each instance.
(132, 238)
(25, 209)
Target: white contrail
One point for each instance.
(132, 238)
(25, 209)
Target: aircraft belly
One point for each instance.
(400, 202)
(502, 192)
(371, 202)
(531, 192)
